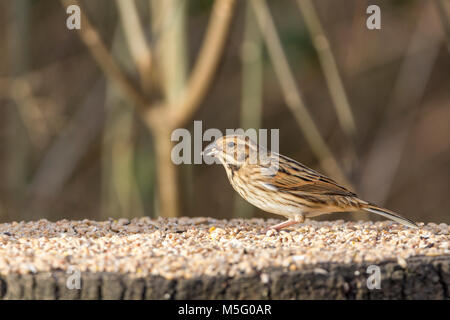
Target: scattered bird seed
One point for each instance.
(191, 247)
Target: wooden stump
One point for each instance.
(421, 278)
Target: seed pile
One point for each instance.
(190, 247)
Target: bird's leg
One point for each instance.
(282, 225)
(299, 218)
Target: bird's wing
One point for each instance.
(292, 176)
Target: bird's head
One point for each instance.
(233, 150)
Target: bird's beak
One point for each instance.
(210, 150)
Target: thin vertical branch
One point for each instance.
(166, 175)
(175, 113)
(121, 197)
(171, 46)
(389, 143)
(200, 77)
(135, 38)
(292, 94)
(120, 191)
(17, 161)
(208, 58)
(103, 58)
(163, 117)
(252, 72)
(329, 66)
(252, 86)
(171, 54)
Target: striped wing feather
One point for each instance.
(295, 177)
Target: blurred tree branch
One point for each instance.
(329, 66)
(135, 37)
(173, 114)
(170, 50)
(206, 63)
(103, 58)
(66, 151)
(121, 197)
(163, 117)
(18, 140)
(389, 142)
(252, 89)
(292, 94)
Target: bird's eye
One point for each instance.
(231, 144)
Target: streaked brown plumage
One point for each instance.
(280, 185)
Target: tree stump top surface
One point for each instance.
(193, 247)
(204, 258)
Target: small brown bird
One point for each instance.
(280, 185)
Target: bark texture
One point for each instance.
(421, 278)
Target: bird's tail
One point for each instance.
(390, 215)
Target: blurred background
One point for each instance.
(86, 115)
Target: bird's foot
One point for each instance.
(276, 228)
